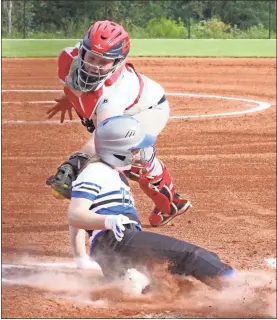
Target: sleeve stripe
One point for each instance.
(87, 188)
(81, 194)
(112, 202)
(115, 196)
(108, 194)
(88, 184)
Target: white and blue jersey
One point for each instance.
(107, 188)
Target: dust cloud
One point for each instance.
(249, 294)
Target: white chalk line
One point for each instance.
(71, 265)
(36, 266)
(17, 282)
(21, 281)
(38, 121)
(26, 102)
(271, 262)
(32, 90)
(260, 105)
(51, 265)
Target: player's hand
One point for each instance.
(63, 105)
(116, 224)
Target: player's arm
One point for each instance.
(82, 198)
(80, 217)
(77, 241)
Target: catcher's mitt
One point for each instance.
(61, 182)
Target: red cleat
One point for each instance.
(178, 206)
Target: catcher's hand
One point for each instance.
(61, 182)
(63, 105)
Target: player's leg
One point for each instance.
(184, 258)
(154, 120)
(156, 181)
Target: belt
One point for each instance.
(94, 234)
(163, 99)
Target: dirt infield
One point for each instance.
(226, 166)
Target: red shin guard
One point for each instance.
(168, 203)
(158, 188)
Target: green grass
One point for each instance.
(152, 47)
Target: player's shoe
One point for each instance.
(135, 282)
(178, 206)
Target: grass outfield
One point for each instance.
(152, 47)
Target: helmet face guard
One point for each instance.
(102, 51)
(143, 157)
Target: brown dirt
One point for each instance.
(226, 166)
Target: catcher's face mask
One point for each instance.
(94, 69)
(102, 51)
(95, 64)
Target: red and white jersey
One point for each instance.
(125, 92)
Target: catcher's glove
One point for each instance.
(61, 182)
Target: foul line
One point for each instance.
(32, 90)
(53, 265)
(271, 262)
(30, 102)
(260, 105)
(71, 265)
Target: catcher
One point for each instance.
(101, 201)
(98, 84)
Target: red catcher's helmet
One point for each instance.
(102, 51)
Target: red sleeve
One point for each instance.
(65, 60)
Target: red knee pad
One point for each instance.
(159, 188)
